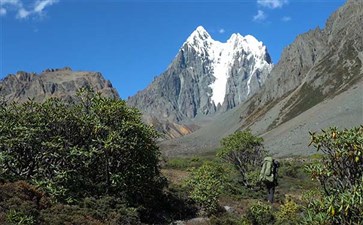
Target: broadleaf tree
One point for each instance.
(244, 151)
(95, 146)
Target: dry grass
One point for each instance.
(175, 176)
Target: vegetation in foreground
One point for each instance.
(92, 158)
(94, 162)
(321, 189)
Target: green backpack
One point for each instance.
(267, 174)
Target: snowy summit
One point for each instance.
(223, 57)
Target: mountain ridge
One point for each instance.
(60, 83)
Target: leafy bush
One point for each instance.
(95, 159)
(234, 187)
(20, 218)
(290, 169)
(91, 148)
(288, 213)
(22, 203)
(106, 210)
(342, 166)
(244, 151)
(260, 214)
(206, 184)
(346, 207)
(340, 173)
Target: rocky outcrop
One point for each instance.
(60, 83)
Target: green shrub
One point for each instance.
(340, 174)
(91, 148)
(20, 218)
(244, 151)
(289, 169)
(288, 213)
(106, 210)
(260, 214)
(234, 185)
(206, 184)
(346, 207)
(22, 203)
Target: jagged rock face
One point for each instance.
(247, 75)
(206, 77)
(317, 65)
(60, 83)
(296, 60)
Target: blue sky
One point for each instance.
(132, 41)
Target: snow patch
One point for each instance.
(222, 58)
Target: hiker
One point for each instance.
(268, 176)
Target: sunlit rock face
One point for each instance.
(60, 83)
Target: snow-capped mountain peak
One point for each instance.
(198, 36)
(235, 38)
(249, 44)
(222, 58)
(207, 76)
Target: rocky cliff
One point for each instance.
(60, 83)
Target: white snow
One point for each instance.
(249, 82)
(222, 56)
(199, 39)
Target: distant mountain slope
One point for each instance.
(205, 77)
(291, 138)
(343, 111)
(319, 64)
(60, 83)
(314, 74)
